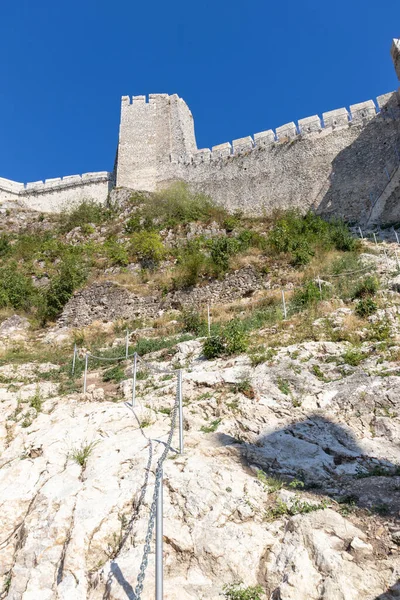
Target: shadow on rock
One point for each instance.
(392, 593)
(362, 166)
(326, 458)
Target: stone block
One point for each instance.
(202, 156)
(336, 118)
(243, 144)
(310, 124)
(264, 138)
(395, 52)
(221, 151)
(363, 111)
(34, 185)
(288, 131)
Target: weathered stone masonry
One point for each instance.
(342, 164)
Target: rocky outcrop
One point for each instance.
(319, 522)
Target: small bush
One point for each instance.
(307, 295)
(213, 347)
(86, 212)
(116, 253)
(353, 357)
(300, 236)
(236, 338)
(115, 374)
(192, 263)
(5, 246)
(193, 322)
(237, 591)
(147, 246)
(233, 339)
(16, 288)
(367, 287)
(221, 249)
(72, 273)
(178, 204)
(365, 307)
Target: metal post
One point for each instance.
(180, 411)
(387, 173)
(208, 319)
(134, 379)
(397, 259)
(376, 242)
(85, 374)
(159, 542)
(284, 305)
(320, 286)
(361, 233)
(127, 344)
(397, 237)
(74, 360)
(386, 257)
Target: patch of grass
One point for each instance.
(115, 374)
(193, 322)
(36, 401)
(148, 248)
(297, 507)
(81, 455)
(274, 484)
(212, 427)
(283, 386)
(353, 356)
(365, 288)
(244, 387)
(318, 373)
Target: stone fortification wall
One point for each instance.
(338, 165)
(52, 195)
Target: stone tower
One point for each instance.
(153, 136)
(396, 56)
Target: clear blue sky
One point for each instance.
(242, 67)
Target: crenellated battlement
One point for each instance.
(58, 183)
(387, 106)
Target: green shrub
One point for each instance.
(178, 204)
(353, 357)
(5, 246)
(366, 287)
(115, 374)
(116, 253)
(147, 246)
(365, 307)
(193, 322)
(233, 339)
(213, 347)
(236, 338)
(300, 236)
(221, 249)
(16, 288)
(72, 273)
(307, 295)
(133, 223)
(87, 211)
(237, 591)
(192, 263)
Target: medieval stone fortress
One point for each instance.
(346, 164)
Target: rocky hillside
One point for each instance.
(289, 484)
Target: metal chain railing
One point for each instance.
(152, 516)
